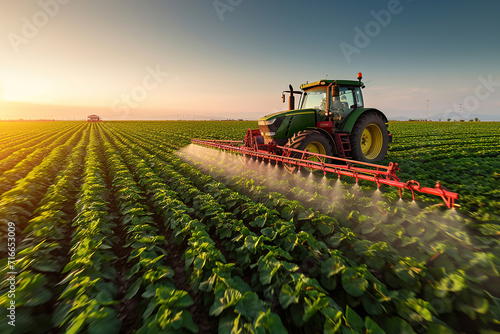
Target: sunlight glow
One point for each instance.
(22, 87)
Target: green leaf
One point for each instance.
(354, 282)
(372, 327)
(453, 282)
(367, 227)
(61, 313)
(260, 221)
(168, 318)
(150, 291)
(207, 285)
(422, 307)
(268, 269)
(249, 305)
(76, 324)
(311, 307)
(47, 266)
(434, 328)
(332, 266)
(39, 297)
(287, 296)
(188, 323)
(291, 267)
(229, 323)
(406, 272)
(287, 213)
(372, 306)
(333, 320)
(335, 240)
(325, 229)
(158, 274)
(269, 232)
(173, 298)
(471, 305)
(271, 322)
(134, 288)
(199, 261)
(134, 270)
(104, 297)
(353, 320)
(230, 298)
(151, 307)
(106, 325)
(396, 325)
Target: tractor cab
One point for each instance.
(333, 99)
(331, 119)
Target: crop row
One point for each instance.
(303, 235)
(163, 306)
(14, 138)
(17, 204)
(16, 169)
(205, 265)
(444, 247)
(41, 252)
(191, 241)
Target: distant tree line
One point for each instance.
(448, 120)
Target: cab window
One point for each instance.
(347, 96)
(359, 97)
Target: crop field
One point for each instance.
(126, 227)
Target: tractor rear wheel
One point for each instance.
(311, 141)
(369, 138)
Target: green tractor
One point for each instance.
(331, 120)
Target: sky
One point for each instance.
(216, 59)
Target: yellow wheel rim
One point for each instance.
(315, 147)
(371, 141)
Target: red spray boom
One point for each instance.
(345, 167)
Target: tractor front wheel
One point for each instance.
(311, 141)
(369, 138)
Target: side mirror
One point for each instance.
(283, 97)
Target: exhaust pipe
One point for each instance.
(291, 99)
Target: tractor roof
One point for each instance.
(326, 83)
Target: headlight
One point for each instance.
(267, 122)
(269, 134)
